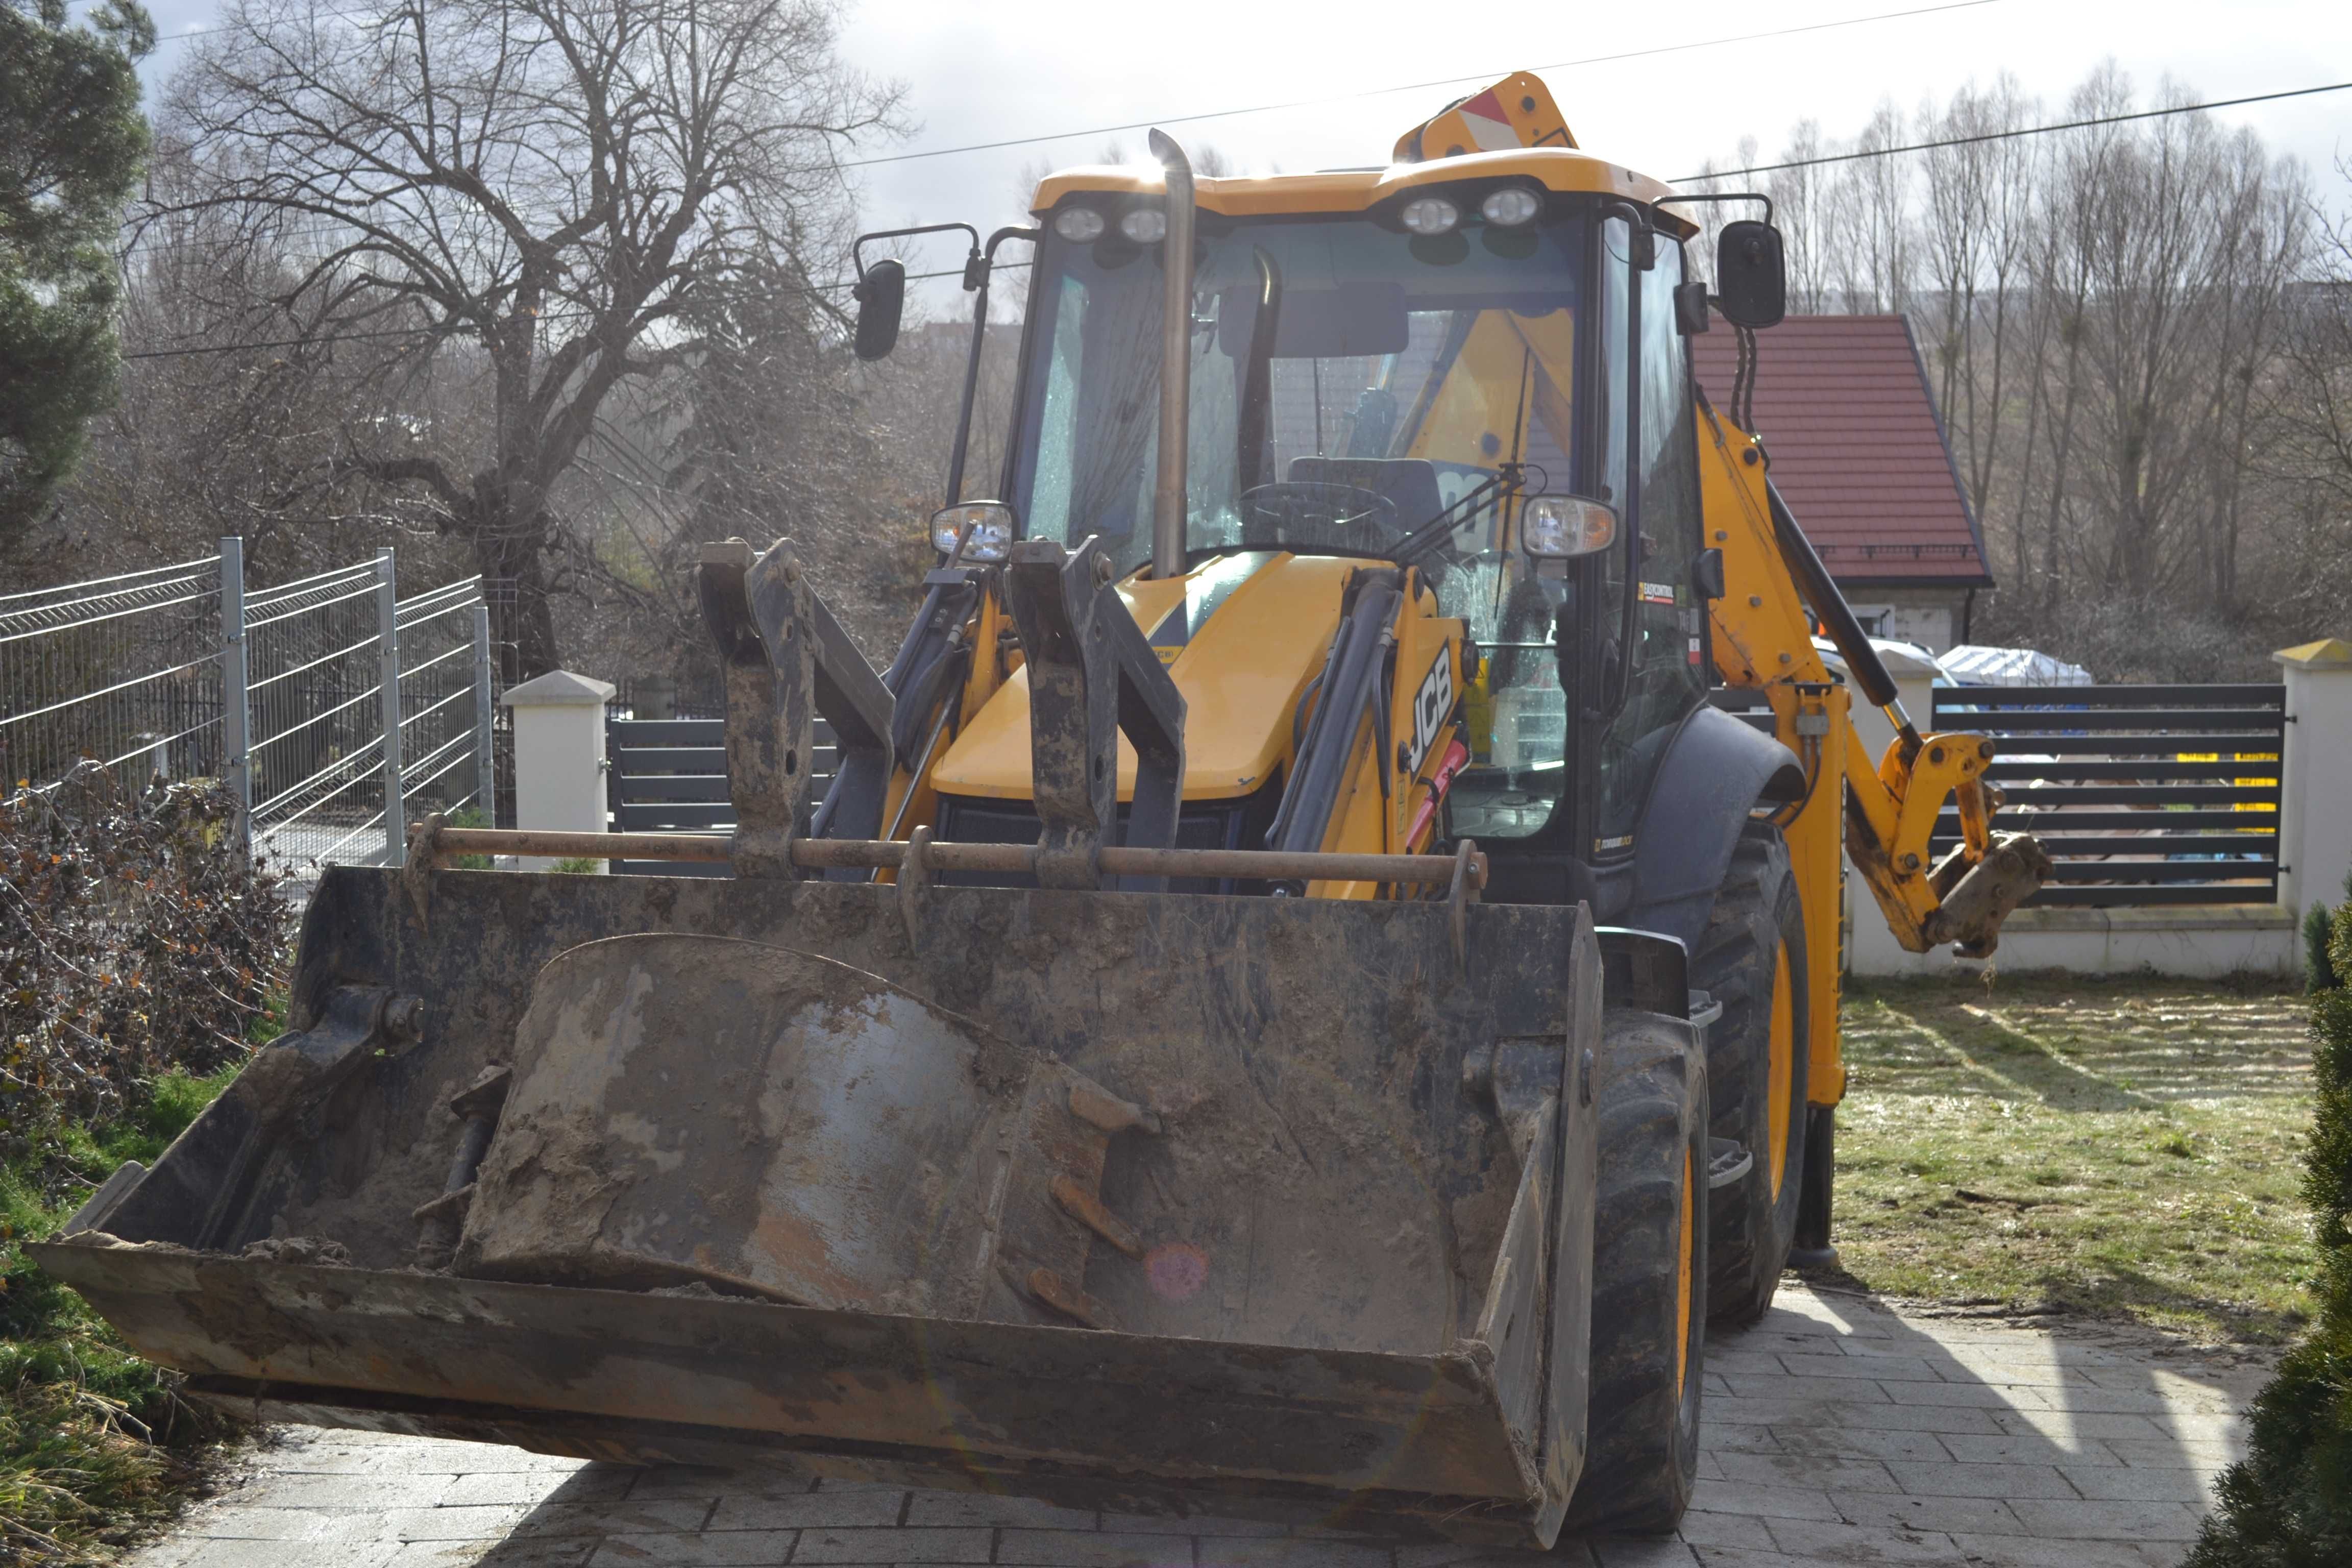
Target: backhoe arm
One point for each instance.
(1763, 637)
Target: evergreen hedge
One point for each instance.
(2290, 1504)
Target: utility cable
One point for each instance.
(1347, 97)
(2020, 131)
(1409, 87)
(1685, 179)
(441, 332)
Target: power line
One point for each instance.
(1686, 179)
(430, 331)
(2021, 131)
(1346, 97)
(1411, 86)
(367, 13)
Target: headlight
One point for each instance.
(1511, 207)
(1145, 226)
(992, 530)
(1553, 528)
(1078, 225)
(1430, 215)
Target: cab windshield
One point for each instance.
(1351, 382)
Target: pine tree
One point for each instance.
(72, 141)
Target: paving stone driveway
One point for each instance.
(1836, 1431)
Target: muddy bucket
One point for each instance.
(1160, 1203)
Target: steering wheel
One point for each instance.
(1306, 506)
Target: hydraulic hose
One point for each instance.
(1823, 593)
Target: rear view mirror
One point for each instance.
(1751, 278)
(1557, 528)
(881, 295)
(1707, 574)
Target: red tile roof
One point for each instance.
(1857, 451)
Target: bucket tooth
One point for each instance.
(1091, 1102)
(1088, 1210)
(442, 1219)
(1068, 1300)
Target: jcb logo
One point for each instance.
(1431, 705)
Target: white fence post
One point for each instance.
(486, 773)
(236, 715)
(388, 613)
(559, 755)
(2314, 843)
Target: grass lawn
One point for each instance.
(93, 1444)
(2120, 1148)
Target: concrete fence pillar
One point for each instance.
(2316, 775)
(559, 755)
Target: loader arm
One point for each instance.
(1763, 641)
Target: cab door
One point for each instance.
(1664, 674)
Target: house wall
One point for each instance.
(1931, 617)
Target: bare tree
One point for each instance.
(1977, 225)
(530, 194)
(2138, 361)
(1801, 201)
(2311, 465)
(1869, 226)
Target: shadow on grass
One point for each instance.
(2014, 1065)
(2126, 1295)
(2103, 1043)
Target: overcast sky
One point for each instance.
(979, 72)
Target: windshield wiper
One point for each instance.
(1429, 535)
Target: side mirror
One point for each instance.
(1558, 528)
(881, 295)
(1751, 275)
(1707, 574)
(1690, 309)
(984, 528)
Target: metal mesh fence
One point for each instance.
(445, 691)
(123, 669)
(314, 688)
(337, 713)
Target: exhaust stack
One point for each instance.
(1168, 499)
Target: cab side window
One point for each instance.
(1668, 678)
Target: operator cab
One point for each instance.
(1429, 366)
(1396, 384)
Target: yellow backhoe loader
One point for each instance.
(1298, 999)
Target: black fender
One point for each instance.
(1715, 771)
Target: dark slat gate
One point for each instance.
(669, 775)
(2143, 795)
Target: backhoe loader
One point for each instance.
(1297, 1001)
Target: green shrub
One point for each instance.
(471, 817)
(2290, 1504)
(140, 958)
(136, 940)
(2322, 973)
(2318, 970)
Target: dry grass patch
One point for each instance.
(2116, 1147)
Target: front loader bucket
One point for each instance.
(1160, 1203)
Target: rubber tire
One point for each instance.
(1756, 914)
(1641, 1425)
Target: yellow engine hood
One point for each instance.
(1260, 626)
